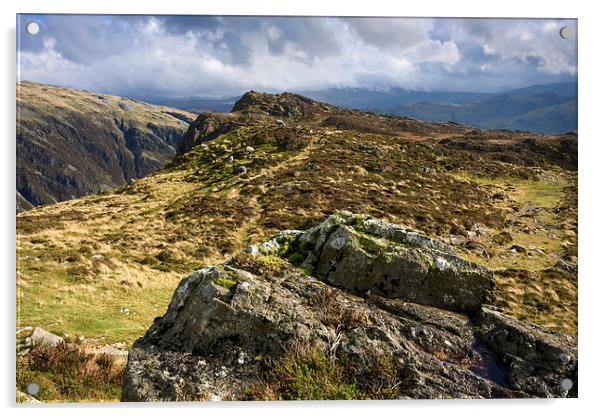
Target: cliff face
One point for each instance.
(71, 142)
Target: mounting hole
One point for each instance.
(566, 384)
(566, 32)
(32, 28)
(32, 389)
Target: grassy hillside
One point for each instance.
(73, 142)
(103, 266)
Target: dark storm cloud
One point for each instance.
(185, 24)
(84, 38)
(209, 55)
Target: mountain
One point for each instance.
(104, 266)
(362, 98)
(549, 109)
(194, 104)
(73, 142)
(567, 89)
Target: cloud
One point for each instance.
(213, 55)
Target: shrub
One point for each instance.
(67, 372)
(305, 372)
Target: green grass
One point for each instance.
(305, 372)
(224, 282)
(59, 303)
(541, 193)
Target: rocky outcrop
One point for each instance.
(287, 105)
(327, 287)
(206, 127)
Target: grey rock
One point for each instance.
(240, 170)
(567, 267)
(44, 338)
(538, 359)
(220, 317)
(360, 253)
(111, 350)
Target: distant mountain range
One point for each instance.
(549, 109)
(193, 104)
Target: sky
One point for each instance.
(217, 56)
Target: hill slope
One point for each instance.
(72, 142)
(505, 200)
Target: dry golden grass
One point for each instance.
(541, 217)
(51, 102)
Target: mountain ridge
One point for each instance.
(439, 106)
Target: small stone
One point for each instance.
(518, 249)
(252, 250)
(42, 337)
(249, 149)
(241, 358)
(564, 358)
(441, 263)
(240, 170)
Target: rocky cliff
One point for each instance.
(72, 142)
(354, 308)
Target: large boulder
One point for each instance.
(227, 323)
(361, 254)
